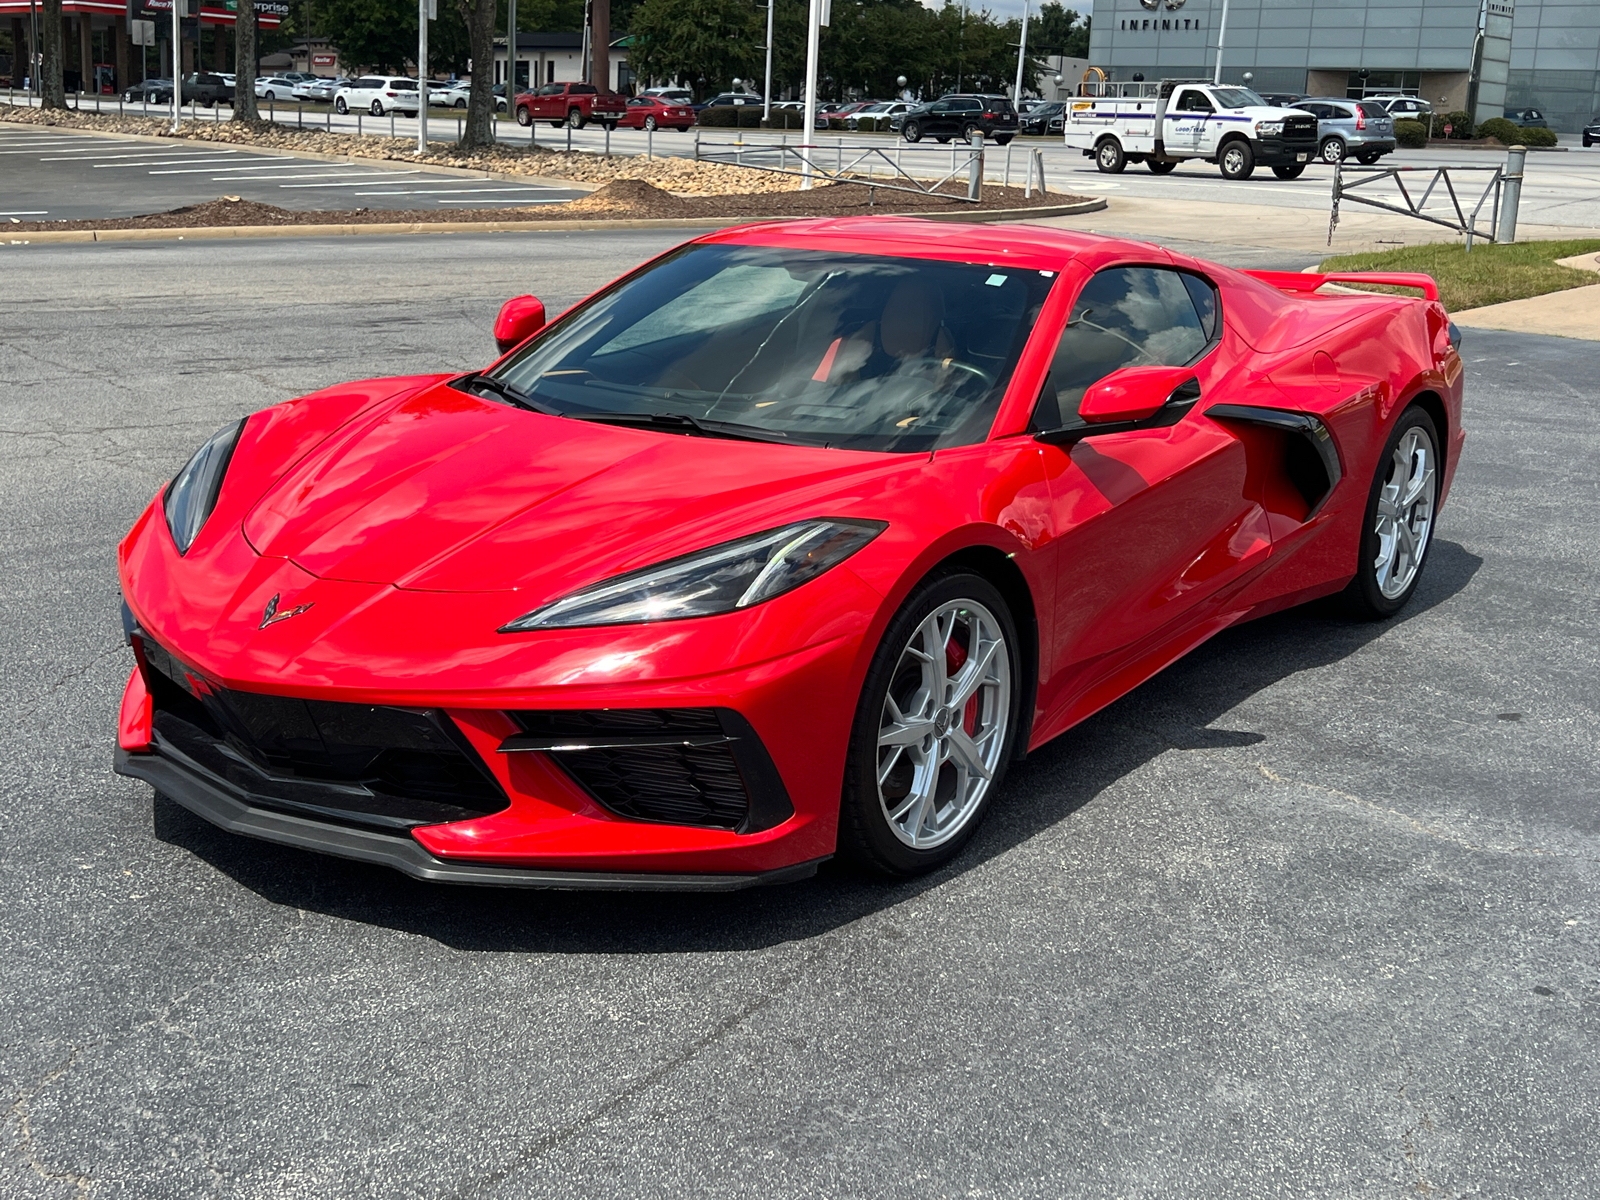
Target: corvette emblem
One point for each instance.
(271, 616)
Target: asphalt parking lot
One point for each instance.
(58, 175)
(1313, 914)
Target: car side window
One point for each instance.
(583, 89)
(1126, 317)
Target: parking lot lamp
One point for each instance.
(177, 63)
(813, 41)
(1022, 55)
(422, 75)
(1222, 31)
(766, 91)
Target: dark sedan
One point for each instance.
(1591, 132)
(151, 91)
(1037, 119)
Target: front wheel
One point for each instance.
(1161, 166)
(1237, 160)
(608, 126)
(933, 729)
(524, 117)
(1332, 151)
(575, 118)
(1398, 528)
(1290, 171)
(912, 131)
(649, 124)
(1108, 156)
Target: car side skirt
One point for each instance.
(404, 854)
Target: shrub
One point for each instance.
(1460, 125)
(1411, 134)
(719, 118)
(1501, 130)
(749, 116)
(869, 124)
(1537, 135)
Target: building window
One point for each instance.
(1383, 83)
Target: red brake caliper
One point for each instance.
(954, 656)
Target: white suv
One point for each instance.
(378, 94)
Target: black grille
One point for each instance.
(676, 766)
(363, 764)
(1300, 129)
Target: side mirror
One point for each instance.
(1136, 393)
(520, 318)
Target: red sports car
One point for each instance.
(781, 546)
(652, 112)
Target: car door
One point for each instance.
(1152, 523)
(1186, 120)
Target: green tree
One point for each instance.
(703, 43)
(1058, 30)
(377, 35)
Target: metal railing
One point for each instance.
(1347, 180)
(857, 164)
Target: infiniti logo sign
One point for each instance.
(1170, 5)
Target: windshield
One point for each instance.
(825, 349)
(1238, 98)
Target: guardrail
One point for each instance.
(855, 164)
(1504, 184)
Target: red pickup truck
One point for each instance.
(574, 104)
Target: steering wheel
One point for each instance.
(941, 364)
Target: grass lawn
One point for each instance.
(1489, 275)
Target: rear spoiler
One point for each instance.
(1310, 281)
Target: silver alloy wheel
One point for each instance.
(1332, 151)
(1233, 159)
(1405, 513)
(944, 725)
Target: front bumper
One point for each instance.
(210, 798)
(1279, 152)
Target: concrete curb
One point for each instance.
(391, 229)
(350, 160)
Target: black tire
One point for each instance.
(1003, 139)
(1331, 151)
(1237, 160)
(1290, 171)
(575, 118)
(943, 141)
(649, 124)
(608, 126)
(1108, 156)
(1367, 157)
(1365, 596)
(912, 131)
(1161, 166)
(524, 117)
(460, 103)
(968, 130)
(866, 838)
(377, 108)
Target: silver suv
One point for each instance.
(1362, 128)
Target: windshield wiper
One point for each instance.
(503, 391)
(683, 423)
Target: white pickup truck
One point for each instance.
(1161, 124)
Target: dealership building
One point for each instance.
(1479, 55)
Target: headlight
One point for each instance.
(192, 495)
(1269, 128)
(721, 579)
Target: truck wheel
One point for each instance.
(1108, 156)
(524, 117)
(1332, 151)
(912, 132)
(1237, 160)
(1291, 171)
(575, 118)
(1161, 166)
(608, 126)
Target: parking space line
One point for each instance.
(508, 200)
(229, 170)
(193, 158)
(87, 156)
(456, 191)
(357, 183)
(25, 212)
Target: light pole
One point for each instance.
(766, 91)
(1222, 32)
(177, 63)
(813, 45)
(1022, 55)
(422, 75)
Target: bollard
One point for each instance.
(649, 143)
(358, 126)
(1038, 158)
(272, 110)
(569, 137)
(1516, 159)
(328, 119)
(608, 140)
(391, 122)
(1006, 182)
(299, 116)
(697, 143)
(975, 170)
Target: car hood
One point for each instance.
(442, 491)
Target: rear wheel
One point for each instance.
(933, 729)
(1399, 519)
(575, 118)
(377, 108)
(462, 104)
(1161, 166)
(649, 124)
(1108, 156)
(1332, 151)
(339, 106)
(1290, 171)
(1367, 157)
(968, 130)
(1237, 160)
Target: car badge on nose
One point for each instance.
(271, 616)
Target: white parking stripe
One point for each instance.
(512, 200)
(36, 212)
(358, 183)
(193, 158)
(229, 171)
(454, 191)
(87, 156)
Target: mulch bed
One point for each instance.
(623, 199)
